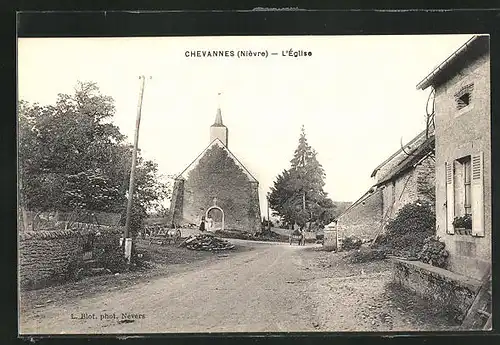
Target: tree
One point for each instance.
(71, 157)
(297, 195)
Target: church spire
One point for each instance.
(218, 119)
(218, 115)
(218, 130)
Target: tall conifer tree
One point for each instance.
(297, 195)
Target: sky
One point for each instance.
(355, 95)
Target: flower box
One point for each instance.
(463, 225)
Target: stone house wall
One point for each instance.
(461, 133)
(416, 183)
(368, 218)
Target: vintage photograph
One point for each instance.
(254, 184)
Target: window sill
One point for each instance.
(464, 110)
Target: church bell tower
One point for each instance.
(218, 130)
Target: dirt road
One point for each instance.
(273, 288)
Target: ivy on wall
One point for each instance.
(218, 176)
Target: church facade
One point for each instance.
(216, 187)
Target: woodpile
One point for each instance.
(206, 242)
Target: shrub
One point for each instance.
(406, 233)
(351, 242)
(112, 257)
(140, 259)
(366, 254)
(434, 252)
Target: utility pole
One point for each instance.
(268, 221)
(128, 240)
(304, 201)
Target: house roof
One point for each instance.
(361, 199)
(408, 146)
(473, 48)
(415, 156)
(219, 143)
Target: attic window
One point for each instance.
(464, 96)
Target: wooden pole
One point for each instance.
(134, 159)
(304, 200)
(268, 221)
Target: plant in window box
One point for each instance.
(463, 225)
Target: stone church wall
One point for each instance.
(177, 202)
(218, 176)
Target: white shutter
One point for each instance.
(450, 198)
(477, 195)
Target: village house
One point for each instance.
(463, 158)
(461, 85)
(406, 176)
(216, 188)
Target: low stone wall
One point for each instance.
(453, 291)
(47, 256)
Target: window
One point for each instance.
(467, 185)
(462, 186)
(463, 97)
(465, 194)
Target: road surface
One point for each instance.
(272, 288)
(255, 291)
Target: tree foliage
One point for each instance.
(297, 195)
(72, 157)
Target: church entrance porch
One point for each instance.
(214, 219)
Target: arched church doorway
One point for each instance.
(214, 218)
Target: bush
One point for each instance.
(366, 254)
(112, 257)
(433, 252)
(406, 233)
(351, 243)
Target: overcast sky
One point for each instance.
(355, 95)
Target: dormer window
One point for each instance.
(463, 97)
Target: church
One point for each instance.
(216, 187)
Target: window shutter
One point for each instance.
(477, 195)
(450, 199)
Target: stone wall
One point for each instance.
(452, 291)
(176, 204)
(362, 220)
(47, 256)
(217, 176)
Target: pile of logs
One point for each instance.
(206, 242)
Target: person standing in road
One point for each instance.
(202, 224)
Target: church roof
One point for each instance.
(218, 119)
(184, 173)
